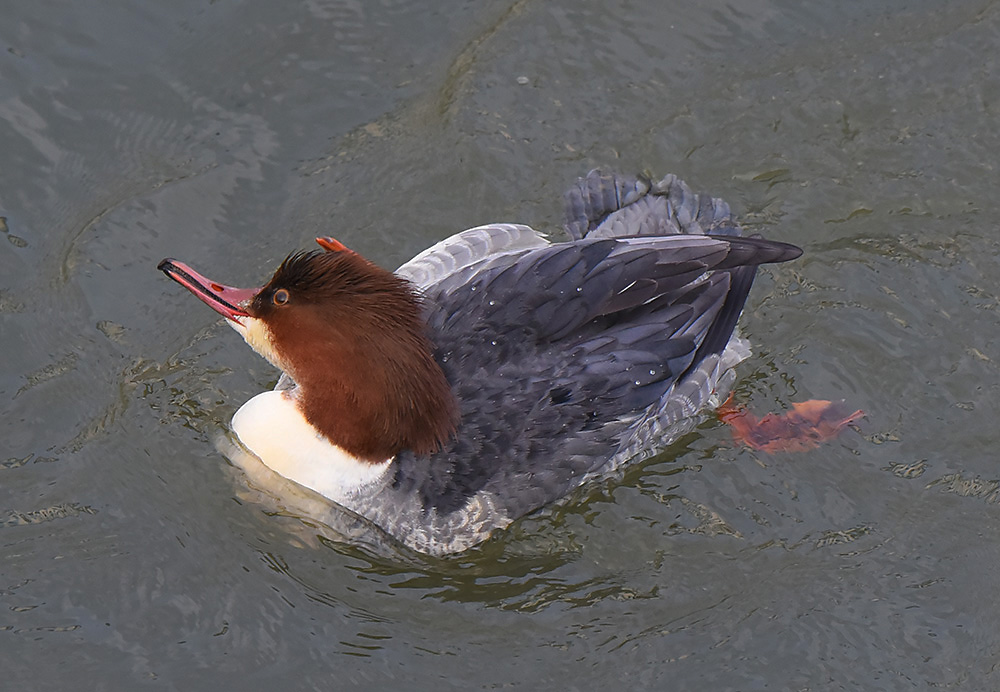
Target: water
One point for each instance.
(228, 134)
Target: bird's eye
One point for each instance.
(280, 297)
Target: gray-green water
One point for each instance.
(227, 134)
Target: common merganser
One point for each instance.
(495, 371)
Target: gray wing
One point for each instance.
(468, 247)
(555, 352)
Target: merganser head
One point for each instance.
(351, 336)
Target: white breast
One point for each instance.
(271, 426)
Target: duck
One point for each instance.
(498, 370)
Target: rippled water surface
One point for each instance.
(229, 133)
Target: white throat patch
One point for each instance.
(258, 336)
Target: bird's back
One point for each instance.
(568, 359)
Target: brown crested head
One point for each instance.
(352, 337)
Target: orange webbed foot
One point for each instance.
(804, 427)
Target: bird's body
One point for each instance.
(496, 371)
